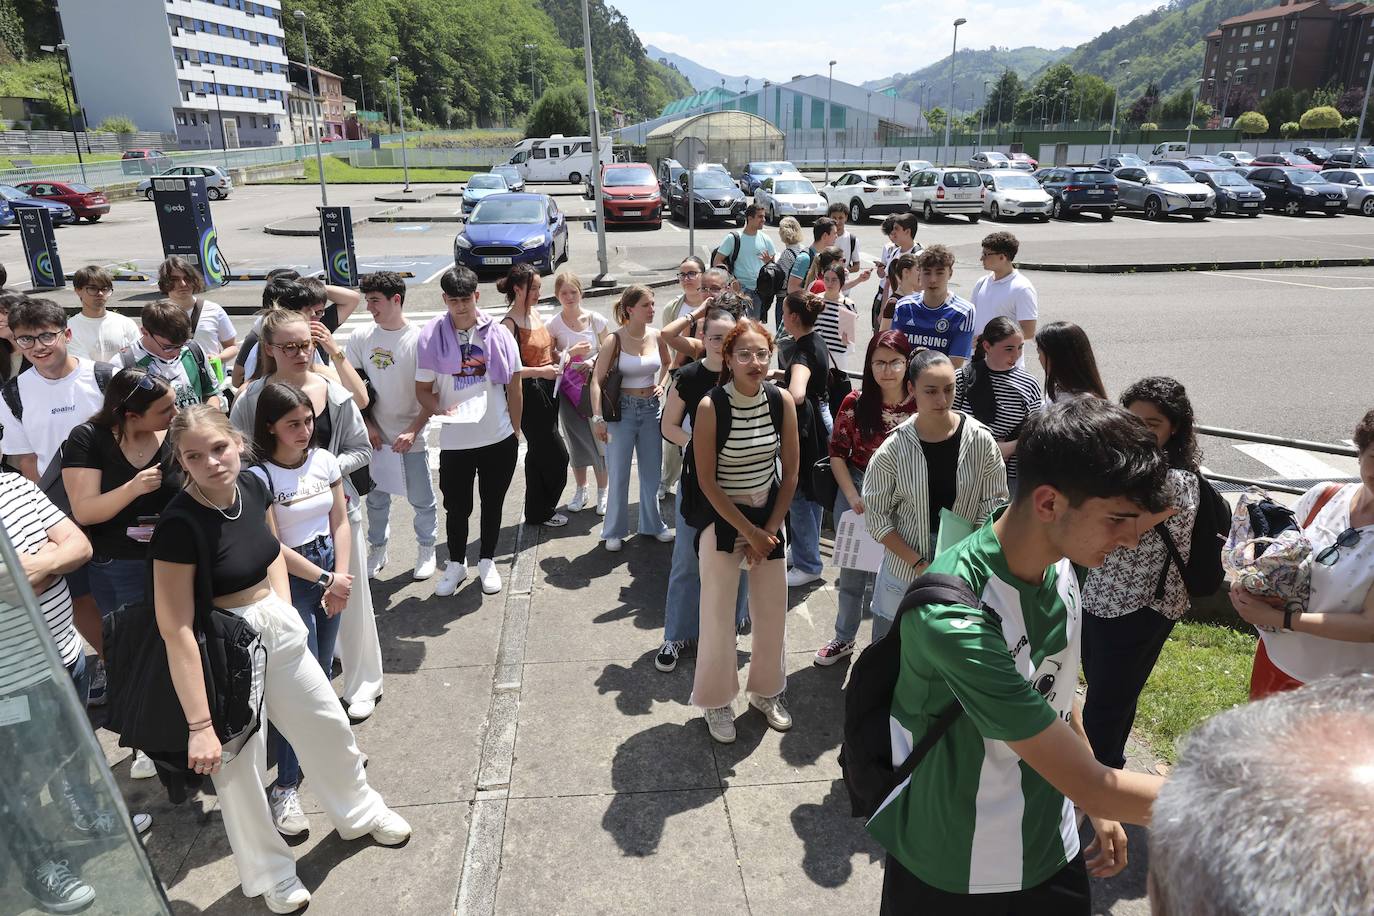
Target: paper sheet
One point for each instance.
(854, 546)
(953, 529)
(468, 412)
(388, 471)
(848, 324)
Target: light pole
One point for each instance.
(763, 104)
(1192, 112)
(1226, 96)
(314, 109)
(531, 48)
(362, 98)
(63, 50)
(1001, 95)
(829, 93)
(868, 117)
(401, 115)
(223, 140)
(1357, 153)
(604, 278)
(949, 116)
(1116, 97)
(1064, 95)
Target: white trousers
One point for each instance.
(301, 704)
(358, 647)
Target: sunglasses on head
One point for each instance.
(143, 383)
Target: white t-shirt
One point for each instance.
(101, 338)
(848, 242)
(213, 327)
(388, 359)
(52, 407)
(567, 338)
(485, 420)
(301, 497)
(1011, 297)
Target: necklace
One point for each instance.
(205, 499)
(640, 338)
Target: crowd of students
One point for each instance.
(131, 446)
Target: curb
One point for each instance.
(414, 197)
(1279, 264)
(282, 229)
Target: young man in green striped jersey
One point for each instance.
(986, 823)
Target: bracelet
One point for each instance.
(200, 728)
(1288, 619)
(598, 420)
(197, 726)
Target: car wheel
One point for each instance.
(93, 218)
(1333, 213)
(974, 218)
(215, 193)
(574, 178)
(1367, 206)
(1042, 218)
(995, 213)
(1292, 208)
(148, 193)
(928, 212)
(1056, 209)
(1154, 208)
(1107, 216)
(1199, 217)
(856, 211)
(1254, 214)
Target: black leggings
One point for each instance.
(1066, 893)
(546, 458)
(1118, 655)
(493, 466)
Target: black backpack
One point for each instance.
(1203, 573)
(730, 258)
(866, 750)
(771, 282)
(697, 510)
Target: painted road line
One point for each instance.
(1335, 289)
(1298, 238)
(437, 274)
(1291, 462)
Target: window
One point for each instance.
(540, 153)
(1245, 31)
(1365, 59)
(1244, 46)
(1263, 93)
(1259, 29)
(1272, 42)
(1254, 62)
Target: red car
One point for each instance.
(1288, 159)
(631, 192)
(1024, 162)
(87, 203)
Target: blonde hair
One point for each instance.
(789, 230)
(567, 278)
(273, 322)
(632, 296)
(196, 416)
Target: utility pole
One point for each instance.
(829, 94)
(1192, 112)
(1358, 153)
(362, 100)
(949, 115)
(531, 48)
(63, 51)
(223, 140)
(604, 278)
(401, 114)
(314, 109)
(1116, 97)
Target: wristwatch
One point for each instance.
(598, 419)
(1288, 619)
(325, 580)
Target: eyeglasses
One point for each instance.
(891, 365)
(144, 383)
(753, 356)
(688, 274)
(98, 290)
(714, 290)
(1348, 538)
(716, 338)
(47, 339)
(296, 347)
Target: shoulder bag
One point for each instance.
(610, 385)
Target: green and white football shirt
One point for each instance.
(973, 818)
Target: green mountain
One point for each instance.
(971, 68)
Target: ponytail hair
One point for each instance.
(632, 296)
(982, 398)
(806, 306)
(518, 277)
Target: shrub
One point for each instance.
(1148, 126)
(1252, 123)
(1322, 118)
(1289, 129)
(118, 124)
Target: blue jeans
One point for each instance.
(804, 519)
(81, 677)
(115, 583)
(635, 437)
(420, 495)
(682, 613)
(888, 592)
(306, 598)
(853, 583)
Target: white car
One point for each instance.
(908, 167)
(1237, 156)
(218, 183)
(946, 191)
(989, 159)
(1011, 192)
(789, 195)
(868, 191)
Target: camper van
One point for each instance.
(558, 158)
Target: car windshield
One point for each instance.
(624, 178)
(1168, 176)
(1306, 177)
(10, 193)
(486, 182)
(1016, 182)
(995, 157)
(961, 180)
(506, 171)
(1320, 151)
(881, 180)
(500, 210)
(1227, 180)
(763, 168)
(793, 186)
(1367, 180)
(81, 189)
(917, 164)
(783, 167)
(710, 179)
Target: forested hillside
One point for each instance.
(973, 67)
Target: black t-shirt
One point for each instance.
(942, 471)
(243, 547)
(90, 446)
(810, 352)
(694, 382)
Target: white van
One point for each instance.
(1169, 150)
(557, 158)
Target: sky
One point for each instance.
(714, 34)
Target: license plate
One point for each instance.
(634, 212)
(891, 192)
(495, 261)
(1335, 203)
(1097, 192)
(1250, 203)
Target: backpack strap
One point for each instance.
(734, 253)
(1331, 490)
(10, 392)
(1174, 557)
(720, 402)
(103, 373)
(207, 384)
(195, 314)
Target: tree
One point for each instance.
(559, 111)
(1322, 118)
(935, 117)
(1350, 102)
(118, 124)
(1139, 112)
(1252, 123)
(1289, 129)
(1002, 97)
(1349, 126)
(1179, 106)
(1280, 106)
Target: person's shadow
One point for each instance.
(832, 838)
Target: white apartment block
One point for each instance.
(160, 62)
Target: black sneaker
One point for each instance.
(57, 889)
(666, 660)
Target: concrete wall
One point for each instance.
(122, 62)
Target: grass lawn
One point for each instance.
(57, 158)
(336, 170)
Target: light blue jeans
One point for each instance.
(888, 592)
(853, 583)
(420, 495)
(805, 519)
(682, 612)
(635, 437)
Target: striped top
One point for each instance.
(747, 464)
(897, 489)
(1016, 394)
(26, 515)
(828, 325)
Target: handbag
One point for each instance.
(1272, 563)
(825, 489)
(610, 385)
(838, 384)
(573, 385)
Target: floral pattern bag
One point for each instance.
(1277, 566)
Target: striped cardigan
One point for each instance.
(897, 495)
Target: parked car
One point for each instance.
(514, 180)
(908, 167)
(480, 187)
(1233, 194)
(715, 197)
(1200, 160)
(218, 184)
(1120, 160)
(1024, 162)
(630, 194)
(1181, 164)
(1294, 191)
(753, 174)
(790, 195)
(144, 161)
(1011, 192)
(785, 167)
(60, 213)
(668, 171)
(1161, 190)
(868, 191)
(715, 167)
(1169, 149)
(88, 203)
(1346, 157)
(7, 216)
(1238, 156)
(1292, 160)
(1317, 155)
(1080, 190)
(1359, 187)
(946, 191)
(513, 228)
(989, 159)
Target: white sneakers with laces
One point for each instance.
(491, 579)
(579, 500)
(288, 896)
(454, 573)
(777, 715)
(287, 813)
(424, 562)
(376, 561)
(720, 722)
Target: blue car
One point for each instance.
(511, 228)
(7, 217)
(60, 213)
(480, 187)
(755, 174)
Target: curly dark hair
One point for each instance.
(1364, 431)
(1169, 397)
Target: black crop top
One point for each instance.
(243, 548)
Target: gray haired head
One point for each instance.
(1270, 811)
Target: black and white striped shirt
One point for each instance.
(26, 515)
(747, 463)
(1017, 394)
(828, 325)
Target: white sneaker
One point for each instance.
(142, 767)
(453, 576)
(424, 562)
(720, 722)
(614, 544)
(579, 500)
(361, 709)
(601, 502)
(557, 520)
(376, 560)
(287, 897)
(390, 829)
(491, 579)
(662, 493)
(796, 578)
(287, 814)
(777, 715)
(665, 536)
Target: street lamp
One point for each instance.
(362, 98)
(531, 48)
(400, 113)
(314, 109)
(949, 116)
(1116, 97)
(1192, 112)
(1064, 96)
(64, 50)
(223, 140)
(982, 113)
(829, 94)
(923, 105)
(1226, 97)
(604, 278)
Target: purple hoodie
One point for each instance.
(439, 351)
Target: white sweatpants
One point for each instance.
(301, 704)
(358, 647)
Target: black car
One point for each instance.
(715, 196)
(668, 172)
(1234, 193)
(1296, 191)
(1080, 190)
(1317, 155)
(1340, 159)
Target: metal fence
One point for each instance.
(446, 158)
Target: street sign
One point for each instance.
(186, 227)
(40, 247)
(336, 246)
